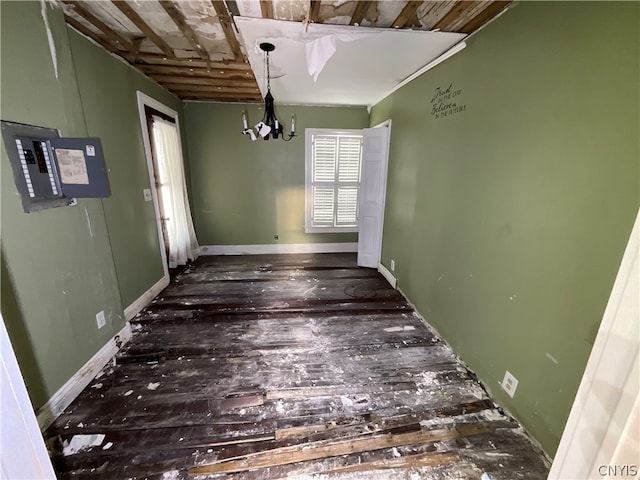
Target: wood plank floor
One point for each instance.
(287, 366)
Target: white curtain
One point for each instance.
(172, 193)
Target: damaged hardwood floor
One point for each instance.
(287, 366)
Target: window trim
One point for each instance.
(308, 184)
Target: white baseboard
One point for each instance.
(278, 248)
(144, 299)
(388, 275)
(70, 390)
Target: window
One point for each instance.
(333, 163)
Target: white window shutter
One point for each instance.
(347, 209)
(323, 204)
(333, 179)
(324, 159)
(349, 154)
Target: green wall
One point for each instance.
(108, 92)
(62, 266)
(246, 192)
(507, 221)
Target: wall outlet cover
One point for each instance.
(147, 195)
(509, 383)
(393, 265)
(100, 320)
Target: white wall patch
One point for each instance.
(52, 45)
(552, 358)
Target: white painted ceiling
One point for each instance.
(364, 69)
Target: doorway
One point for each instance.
(163, 149)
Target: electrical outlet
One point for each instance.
(275, 237)
(509, 383)
(393, 264)
(147, 195)
(100, 320)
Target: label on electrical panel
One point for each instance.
(91, 151)
(73, 166)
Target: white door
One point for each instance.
(23, 454)
(373, 185)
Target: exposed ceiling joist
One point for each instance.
(137, 43)
(205, 54)
(105, 43)
(408, 17)
(456, 11)
(220, 99)
(266, 6)
(314, 11)
(132, 15)
(154, 59)
(196, 72)
(362, 7)
(493, 9)
(112, 35)
(203, 81)
(227, 27)
(195, 91)
(180, 87)
(181, 22)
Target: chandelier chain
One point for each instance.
(268, 74)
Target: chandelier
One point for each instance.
(269, 126)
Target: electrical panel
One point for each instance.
(50, 171)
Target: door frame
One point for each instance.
(146, 100)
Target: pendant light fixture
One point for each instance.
(269, 126)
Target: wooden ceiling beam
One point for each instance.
(221, 95)
(221, 99)
(493, 9)
(105, 43)
(362, 7)
(218, 98)
(137, 43)
(267, 8)
(181, 22)
(181, 87)
(249, 82)
(158, 60)
(454, 13)
(314, 11)
(119, 41)
(191, 71)
(227, 27)
(132, 15)
(408, 17)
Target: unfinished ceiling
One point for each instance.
(194, 47)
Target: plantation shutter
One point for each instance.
(336, 180)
